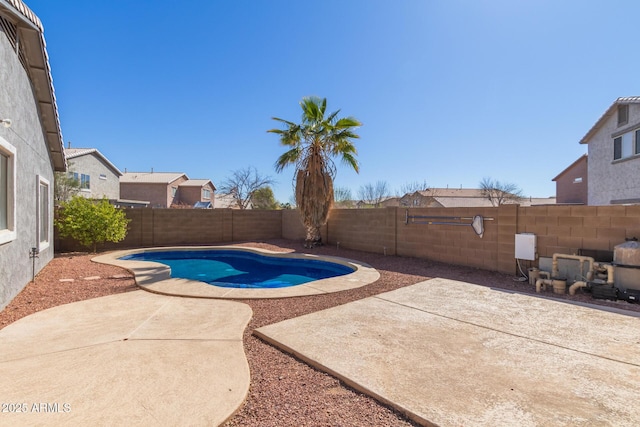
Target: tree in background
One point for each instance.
(412, 187)
(374, 194)
(91, 221)
(500, 193)
(263, 198)
(242, 184)
(342, 197)
(311, 146)
(65, 186)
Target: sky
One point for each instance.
(448, 91)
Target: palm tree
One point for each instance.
(312, 145)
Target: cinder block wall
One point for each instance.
(292, 228)
(368, 230)
(567, 229)
(559, 229)
(386, 230)
(255, 224)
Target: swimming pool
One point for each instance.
(242, 269)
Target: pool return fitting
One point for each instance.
(477, 221)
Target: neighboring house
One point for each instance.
(614, 154)
(31, 149)
(197, 191)
(460, 198)
(97, 176)
(226, 201)
(572, 183)
(165, 189)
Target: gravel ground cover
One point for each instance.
(284, 391)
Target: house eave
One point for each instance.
(31, 35)
(607, 114)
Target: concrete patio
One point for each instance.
(450, 353)
(128, 359)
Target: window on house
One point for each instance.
(206, 194)
(83, 180)
(623, 114)
(174, 190)
(626, 145)
(103, 176)
(43, 213)
(577, 180)
(7, 191)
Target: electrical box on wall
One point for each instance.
(526, 246)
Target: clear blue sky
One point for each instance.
(448, 91)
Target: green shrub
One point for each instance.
(91, 221)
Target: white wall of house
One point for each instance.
(30, 170)
(103, 182)
(614, 181)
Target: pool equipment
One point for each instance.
(617, 280)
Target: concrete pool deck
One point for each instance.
(156, 277)
(450, 353)
(128, 359)
(443, 352)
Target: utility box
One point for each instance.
(526, 246)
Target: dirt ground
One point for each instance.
(284, 391)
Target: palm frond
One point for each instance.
(290, 157)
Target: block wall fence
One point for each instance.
(559, 229)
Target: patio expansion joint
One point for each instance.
(151, 316)
(66, 350)
(479, 325)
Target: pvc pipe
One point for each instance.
(541, 282)
(582, 259)
(544, 273)
(610, 270)
(576, 285)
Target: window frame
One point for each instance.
(623, 114)
(626, 145)
(43, 213)
(206, 194)
(84, 181)
(9, 233)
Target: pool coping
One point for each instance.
(155, 277)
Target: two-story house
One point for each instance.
(572, 183)
(613, 145)
(97, 176)
(31, 149)
(165, 189)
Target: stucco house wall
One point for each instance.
(160, 194)
(104, 178)
(613, 181)
(155, 194)
(33, 159)
(190, 194)
(572, 183)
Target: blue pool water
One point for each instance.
(242, 269)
